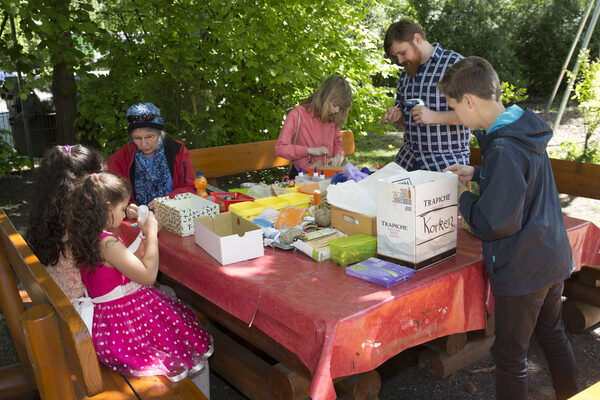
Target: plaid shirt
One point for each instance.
(430, 146)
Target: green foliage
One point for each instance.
(587, 93)
(572, 151)
(10, 160)
(48, 33)
(228, 72)
(511, 94)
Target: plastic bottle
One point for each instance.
(300, 173)
(200, 183)
(143, 213)
(315, 175)
(322, 176)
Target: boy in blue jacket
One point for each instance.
(518, 217)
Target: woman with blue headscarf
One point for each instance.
(152, 162)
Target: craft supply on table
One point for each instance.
(247, 209)
(352, 249)
(225, 199)
(274, 202)
(379, 271)
(200, 184)
(316, 244)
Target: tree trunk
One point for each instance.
(63, 82)
(65, 102)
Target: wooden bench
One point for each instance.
(246, 157)
(55, 348)
(572, 178)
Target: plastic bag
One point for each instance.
(259, 191)
(289, 217)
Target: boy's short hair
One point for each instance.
(401, 31)
(473, 75)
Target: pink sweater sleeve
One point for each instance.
(338, 145)
(284, 147)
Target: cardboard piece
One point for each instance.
(328, 171)
(381, 272)
(353, 223)
(229, 238)
(317, 246)
(417, 217)
(177, 214)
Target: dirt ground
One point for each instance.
(401, 377)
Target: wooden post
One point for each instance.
(579, 316)
(490, 326)
(441, 365)
(12, 307)
(578, 291)
(365, 386)
(287, 384)
(450, 344)
(45, 349)
(589, 275)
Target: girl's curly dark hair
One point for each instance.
(56, 176)
(88, 213)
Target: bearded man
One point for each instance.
(433, 135)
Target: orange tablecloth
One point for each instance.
(336, 324)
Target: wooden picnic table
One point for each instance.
(320, 324)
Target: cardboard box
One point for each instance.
(177, 214)
(417, 217)
(316, 245)
(328, 171)
(381, 272)
(352, 223)
(229, 238)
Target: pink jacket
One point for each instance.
(312, 133)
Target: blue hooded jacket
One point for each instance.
(517, 213)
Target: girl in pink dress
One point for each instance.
(58, 172)
(136, 329)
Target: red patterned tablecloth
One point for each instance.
(340, 325)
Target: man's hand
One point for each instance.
(393, 114)
(317, 151)
(424, 115)
(464, 172)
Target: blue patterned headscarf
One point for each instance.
(144, 115)
(151, 175)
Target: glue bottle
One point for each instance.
(200, 183)
(315, 175)
(322, 176)
(300, 173)
(142, 216)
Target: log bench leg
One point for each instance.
(365, 386)
(442, 365)
(450, 344)
(579, 316)
(287, 384)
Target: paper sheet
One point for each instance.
(361, 196)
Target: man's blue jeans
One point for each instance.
(517, 319)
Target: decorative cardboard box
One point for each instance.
(417, 217)
(353, 223)
(381, 272)
(177, 214)
(229, 238)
